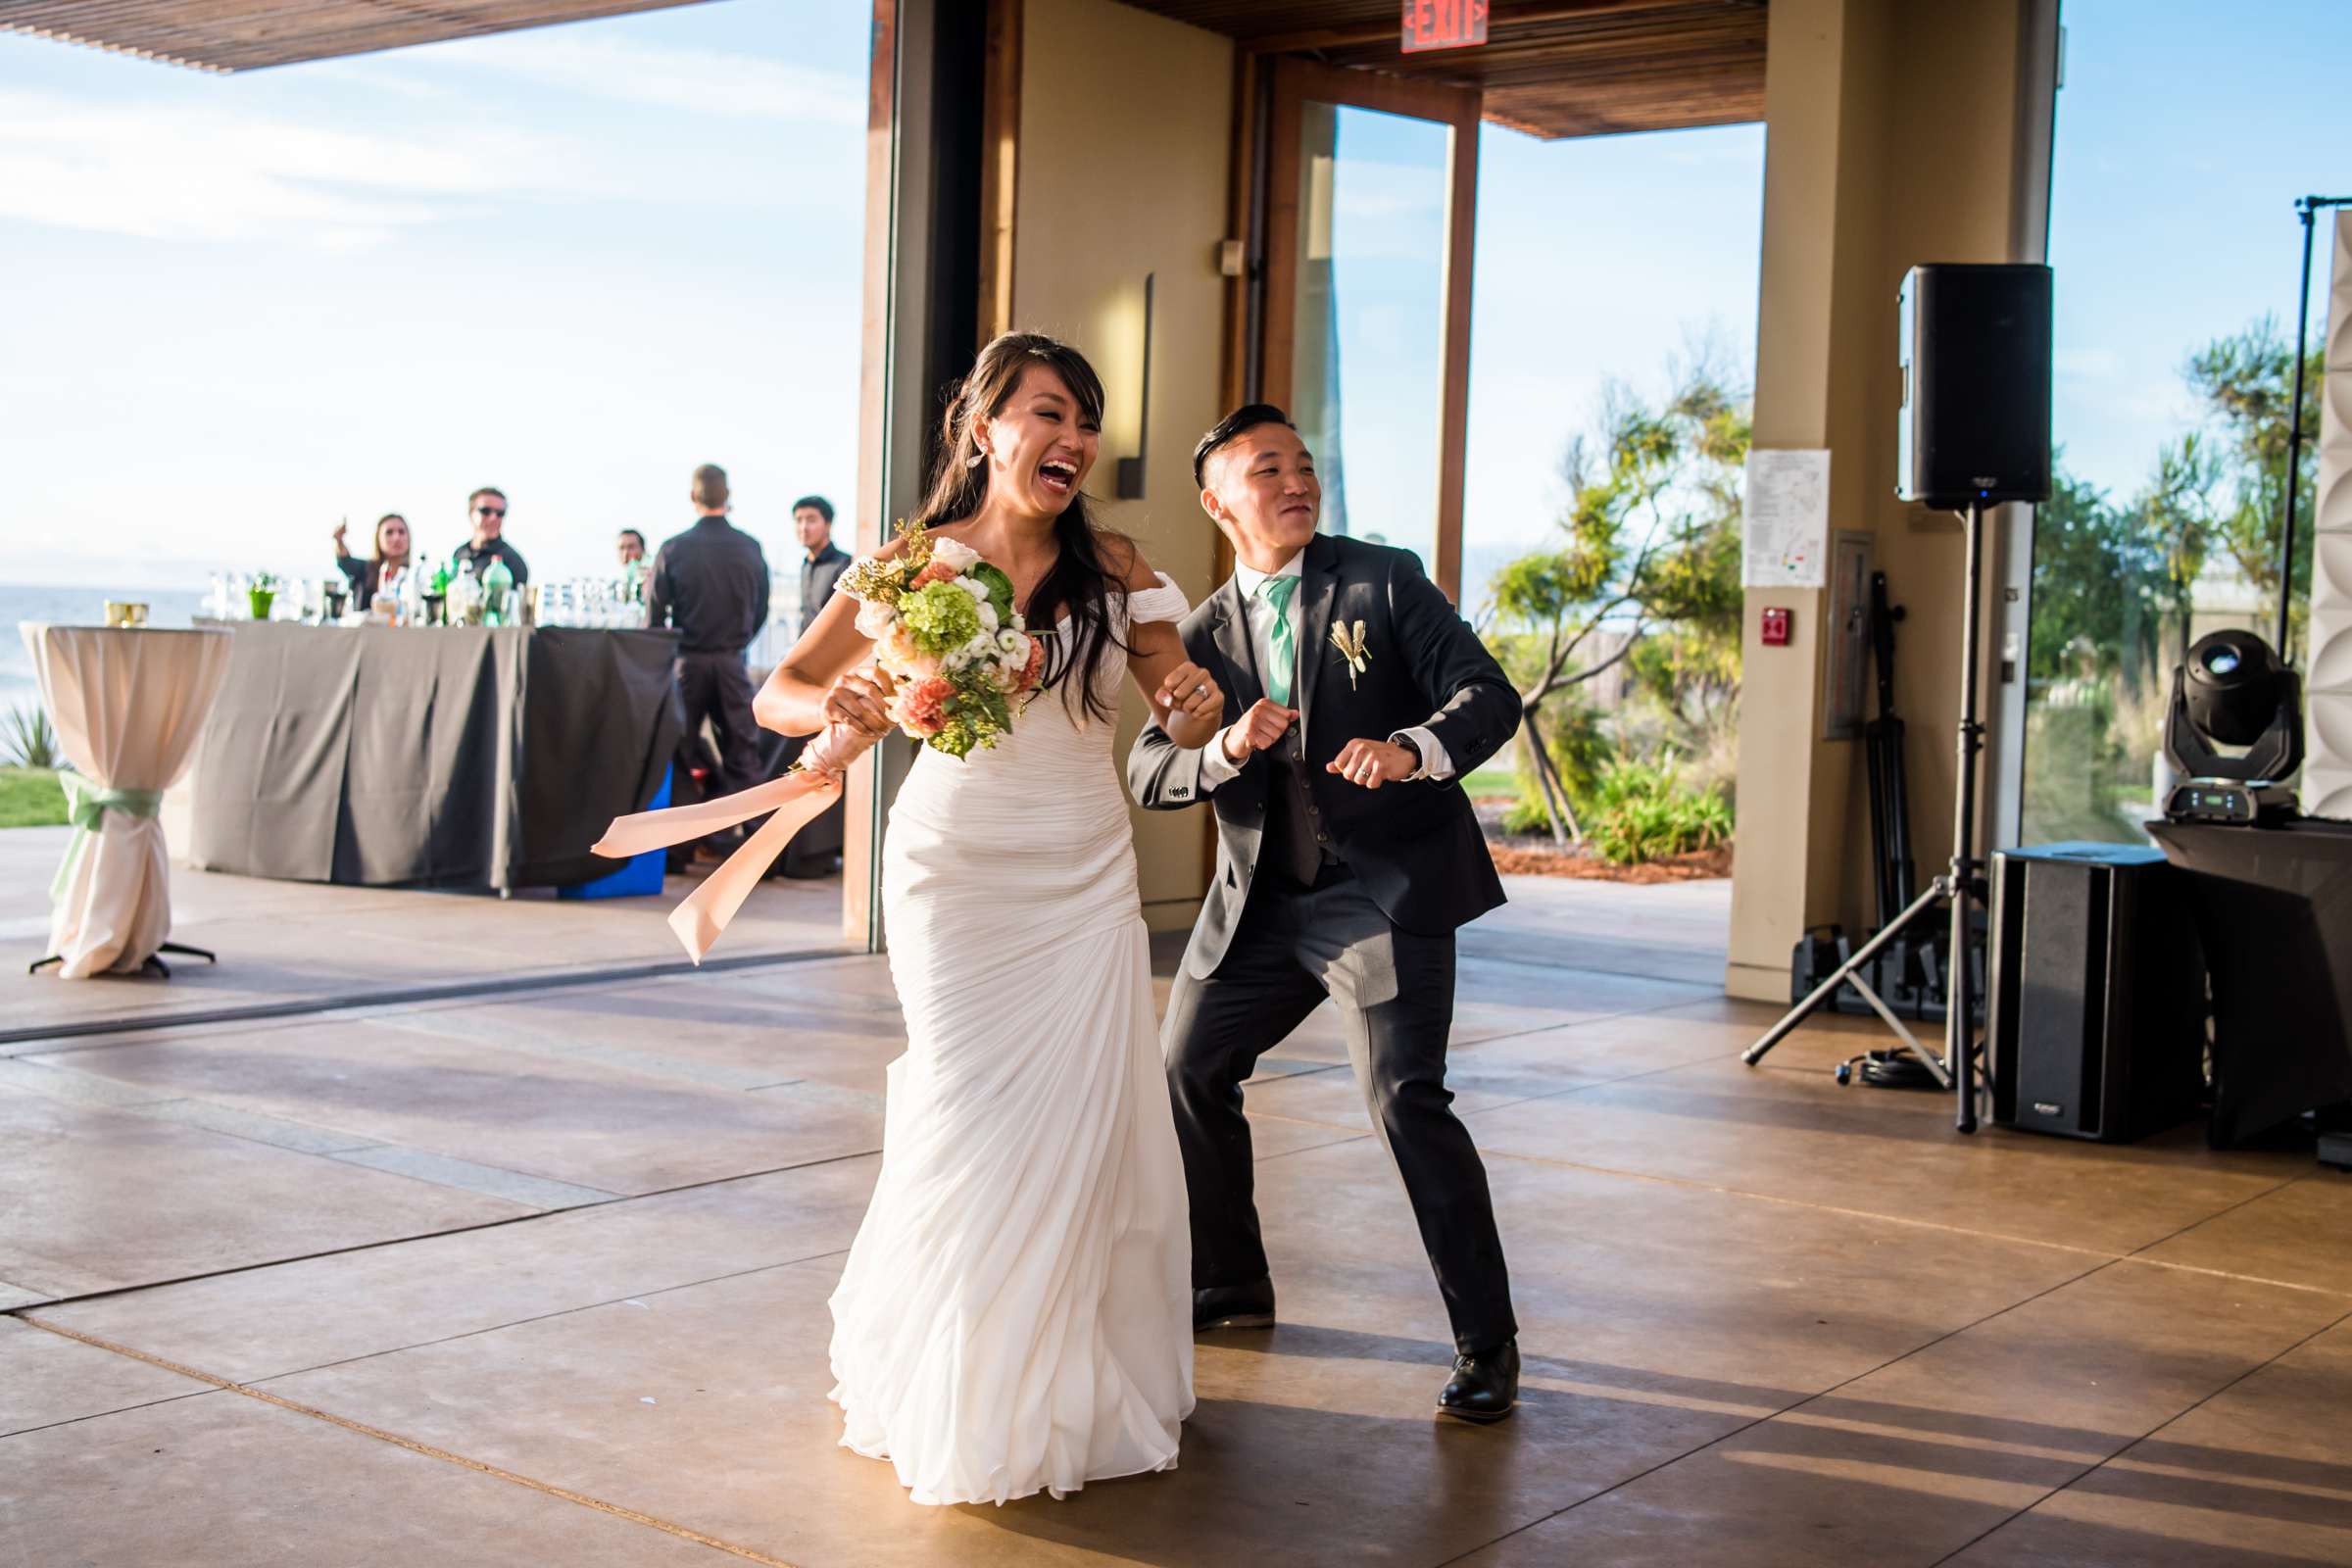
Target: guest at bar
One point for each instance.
(389, 553)
(711, 582)
(632, 547)
(488, 508)
(822, 562)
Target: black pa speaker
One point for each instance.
(1976, 359)
(2095, 1017)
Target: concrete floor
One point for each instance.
(541, 1277)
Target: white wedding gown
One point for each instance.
(1015, 1315)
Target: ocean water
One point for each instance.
(75, 607)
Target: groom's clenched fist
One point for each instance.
(1373, 764)
(1257, 730)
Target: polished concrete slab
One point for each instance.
(543, 1275)
(94, 1198)
(286, 943)
(224, 1479)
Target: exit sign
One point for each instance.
(1443, 25)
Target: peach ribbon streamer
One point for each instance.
(797, 799)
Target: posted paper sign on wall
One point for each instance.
(1784, 520)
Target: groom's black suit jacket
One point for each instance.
(1415, 846)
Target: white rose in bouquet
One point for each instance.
(954, 555)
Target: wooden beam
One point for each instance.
(862, 823)
(1000, 165)
(1453, 350)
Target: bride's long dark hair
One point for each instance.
(1082, 582)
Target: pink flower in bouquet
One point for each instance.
(938, 572)
(923, 710)
(1035, 668)
(901, 658)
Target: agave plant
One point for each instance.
(27, 740)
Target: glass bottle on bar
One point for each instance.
(497, 593)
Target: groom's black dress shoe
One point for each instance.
(1484, 1385)
(1234, 1307)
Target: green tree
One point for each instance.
(2224, 486)
(1650, 541)
(2099, 585)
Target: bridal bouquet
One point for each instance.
(947, 634)
(958, 656)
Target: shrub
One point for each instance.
(1579, 752)
(29, 740)
(1647, 812)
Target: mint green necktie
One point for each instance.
(1282, 643)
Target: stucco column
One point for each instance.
(1893, 137)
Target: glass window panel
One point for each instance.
(2181, 144)
(1370, 305)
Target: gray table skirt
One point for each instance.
(456, 757)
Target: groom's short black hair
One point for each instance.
(1248, 417)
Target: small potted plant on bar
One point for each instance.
(260, 594)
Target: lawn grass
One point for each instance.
(30, 798)
(1492, 781)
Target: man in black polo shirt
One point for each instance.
(824, 561)
(711, 582)
(487, 506)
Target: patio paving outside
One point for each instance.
(541, 1276)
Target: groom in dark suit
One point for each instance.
(1346, 855)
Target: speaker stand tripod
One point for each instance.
(1962, 884)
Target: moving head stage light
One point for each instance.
(2233, 691)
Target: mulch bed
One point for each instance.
(1536, 854)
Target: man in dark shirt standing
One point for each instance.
(711, 582)
(823, 563)
(488, 506)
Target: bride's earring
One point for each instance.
(975, 459)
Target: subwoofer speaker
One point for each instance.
(2095, 1017)
(1976, 360)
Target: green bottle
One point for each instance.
(498, 583)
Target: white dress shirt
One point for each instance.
(1258, 611)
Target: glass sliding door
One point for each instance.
(1372, 191)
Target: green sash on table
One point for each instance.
(85, 805)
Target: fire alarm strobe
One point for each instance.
(1776, 627)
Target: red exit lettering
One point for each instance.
(1443, 25)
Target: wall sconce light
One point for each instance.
(1131, 470)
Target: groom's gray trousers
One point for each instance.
(1294, 945)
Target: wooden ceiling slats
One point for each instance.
(1550, 68)
(249, 35)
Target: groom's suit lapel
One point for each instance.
(1319, 585)
(1230, 631)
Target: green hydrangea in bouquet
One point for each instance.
(944, 631)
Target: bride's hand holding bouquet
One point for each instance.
(952, 656)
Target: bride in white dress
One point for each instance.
(1015, 1315)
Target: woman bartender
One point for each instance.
(391, 555)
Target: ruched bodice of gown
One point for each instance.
(1015, 1313)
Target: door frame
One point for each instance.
(1291, 83)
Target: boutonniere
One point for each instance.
(1350, 645)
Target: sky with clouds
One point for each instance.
(575, 261)
(572, 262)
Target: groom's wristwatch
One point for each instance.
(1420, 763)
